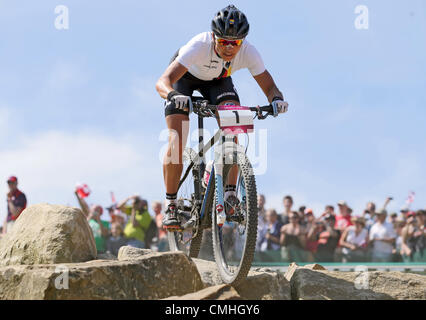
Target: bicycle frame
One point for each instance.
(217, 172)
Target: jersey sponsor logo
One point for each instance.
(210, 67)
(226, 94)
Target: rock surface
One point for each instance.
(311, 284)
(131, 253)
(269, 285)
(153, 276)
(47, 234)
(219, 292)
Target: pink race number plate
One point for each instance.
(235, 119)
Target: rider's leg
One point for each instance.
(178, 125)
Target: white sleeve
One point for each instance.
(190, 53)
(254, 61)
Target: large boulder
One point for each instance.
(151, 276)
(313, 283)
(219, 292)
(48, 234)
(268, 284)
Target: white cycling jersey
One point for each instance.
(202, 61)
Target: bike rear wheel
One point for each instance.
(234, 269)
(188, 242)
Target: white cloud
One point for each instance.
(48, 166)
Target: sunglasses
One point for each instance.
(224, 42)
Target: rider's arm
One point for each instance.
(268, 85)
(173, 73)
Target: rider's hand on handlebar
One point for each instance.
(180, 100)
(279, 106)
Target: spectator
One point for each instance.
(261, 220)
(100, 228)
(414, 238)
(162, 242)
(301, 214)
(138, 223)
(117, 216)
(329, 210)
(369, 215)
(116, 240)
(288, 204)
(313, 229)
(354, 241)
(327, 240)
(270, 237)
(382, 237)
(343, 220)
(16, 203)
(398, 226)
(393, 218)
(293, 240)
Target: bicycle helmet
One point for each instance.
(230, 23)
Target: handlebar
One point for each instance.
(202, 107)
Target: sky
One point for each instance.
(80, 105)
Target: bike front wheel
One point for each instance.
(234, 242)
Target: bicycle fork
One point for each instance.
(224, 152)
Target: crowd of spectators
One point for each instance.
(373, 236)
(290, 236)
(130, 225)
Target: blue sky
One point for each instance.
(79, 105)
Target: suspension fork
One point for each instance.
(220, 158)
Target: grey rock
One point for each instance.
(310, 284)
(48, 234)
(257, 285)
(131, 253)
(153, 276)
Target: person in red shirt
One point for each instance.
(16, 203)
(343, 220)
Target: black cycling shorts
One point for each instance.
(216, 91)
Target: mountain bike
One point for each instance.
(201, 204)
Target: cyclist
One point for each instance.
(205, 64)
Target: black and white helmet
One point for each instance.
(230, 23)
